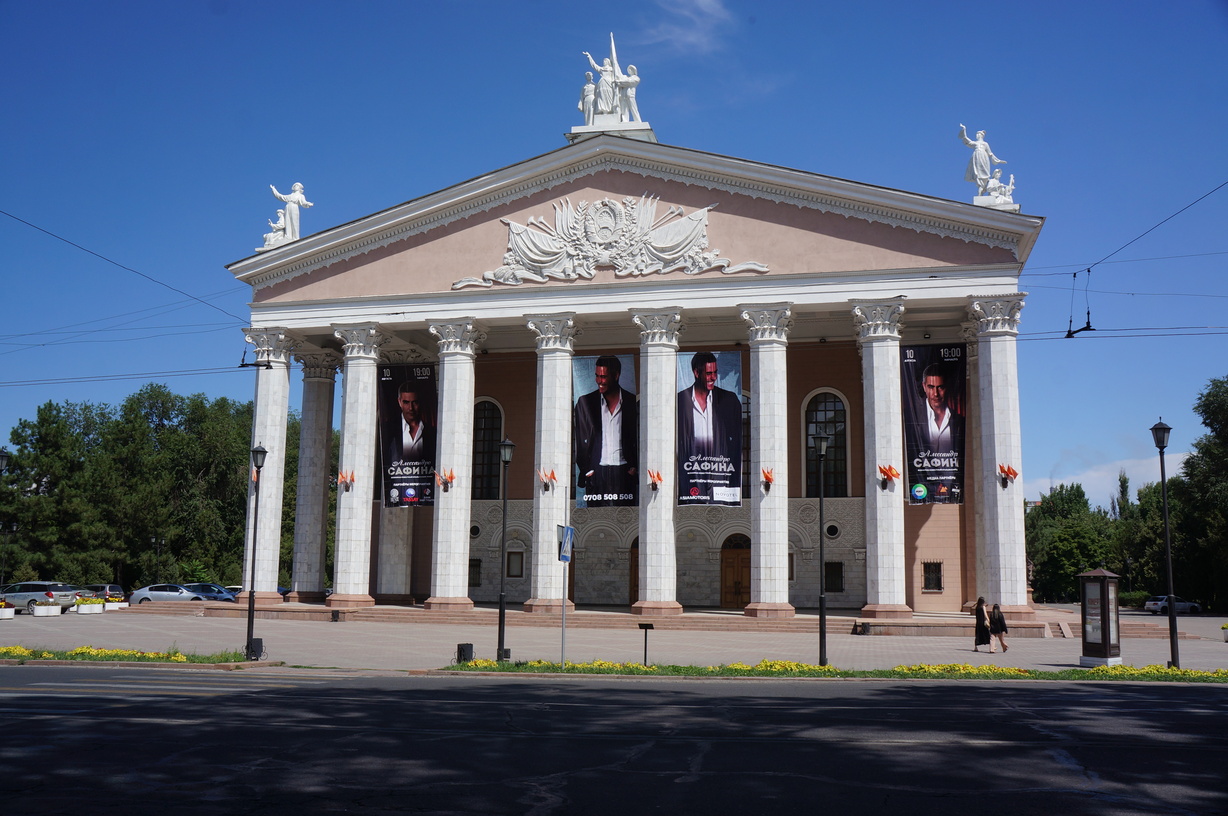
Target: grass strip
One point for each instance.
(788, 668)
(25, 654)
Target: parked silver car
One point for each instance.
(164, 592)
(1158, 605)
(106, 590)
(28, 593)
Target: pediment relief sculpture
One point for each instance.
(627, 236)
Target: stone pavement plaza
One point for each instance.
(406, 646)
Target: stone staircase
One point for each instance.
(1129, 629)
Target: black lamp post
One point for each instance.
(1159, 433)
(506, 447)
(4, 558)
(819, 451)
(255, 648)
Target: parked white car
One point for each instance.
(1158, 605)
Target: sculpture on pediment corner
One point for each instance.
(979, 163)
(294, 201)
(627, 236)
(626, 95)
(1001, 193)
(278, 235)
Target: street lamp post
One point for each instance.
(4, 555)
(1159, 433)
(506, 447)
(819, 451)
(254, 648)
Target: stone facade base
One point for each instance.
(769, 610)
(656, 608)
(546, 606)
(886, 611)
(262, 598)
(1018, 613)
(305, 596)
(394, 599)
(447, 604)
(338, 601)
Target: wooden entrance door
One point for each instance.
(735, 572)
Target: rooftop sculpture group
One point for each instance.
(613, 92)
(286, 229)
(990, 191)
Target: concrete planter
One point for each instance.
(47, 611)
(1225, 631)
(111, 607)
(90, 609)
(8, 613)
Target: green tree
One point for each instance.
(1203, 494)
(1064, 537)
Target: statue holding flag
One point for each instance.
(615, 92)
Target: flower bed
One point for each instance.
(787, 668)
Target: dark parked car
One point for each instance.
(106, 590)
(212, 592)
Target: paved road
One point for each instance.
(430, 646)
(116, 742)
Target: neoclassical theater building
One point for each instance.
(838, 310)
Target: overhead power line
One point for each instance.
(149, 278)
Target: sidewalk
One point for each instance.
(402, 646)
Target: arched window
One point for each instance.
(825, 414)
(487, 432)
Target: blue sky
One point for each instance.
(148, 133)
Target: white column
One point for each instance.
(1000, 443)
(458, 340)
(352, 554)
(314, 475)
(273, 349)
(551, 453)
(658, 404)
(878, 338)
(769, 325)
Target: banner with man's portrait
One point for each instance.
(605, 431)
(408, 408)
(933, 382)
(709, 428)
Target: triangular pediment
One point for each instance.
(689, 213)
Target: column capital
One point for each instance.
(404, 355)
(659, 327)
(997, 315)
(768, 322)
(362, 340)
(457, 336)
(877, 319)
(274, 344)
(319, 365)
(554, 331)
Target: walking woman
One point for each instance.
(997, 627)
(982, 626)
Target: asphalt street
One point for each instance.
(114, 741)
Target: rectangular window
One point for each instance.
(515, 565)
(931, 573)
(833, 572)
(475, 572)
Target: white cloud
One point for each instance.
(1100, 481)
(695, 27)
